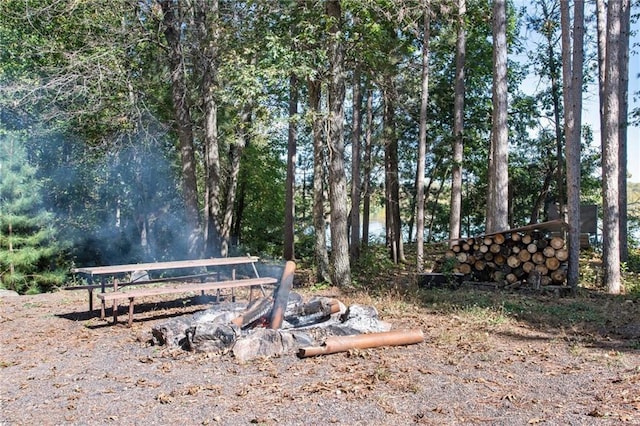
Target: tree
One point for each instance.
(610, 155)
(341, 273)
(28, 246)
(572, 63)
(498, 196)
(183, 124)
(422, 142)
(354, 248)
(321, 255)
(289, 214)
(458, 125)
(549, 65)
(625, 24)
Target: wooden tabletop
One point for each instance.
(155, 266)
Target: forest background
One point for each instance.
(135, 131)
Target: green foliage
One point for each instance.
(262, 196)
(373, 264)
(29, 250)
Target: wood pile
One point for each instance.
(511, 257)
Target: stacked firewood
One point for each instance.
(511, 257)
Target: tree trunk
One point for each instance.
(205, 17)
(392, 184)
(572, 78)
(235, 155)
(610, 155)
(625, 23)
(183, 123)
(455, 218)
(354, 248)
(289, 204)
(499, 178)
(320, 231)
(538, 204)
(366, 190)
(422, 142)
(341, 272)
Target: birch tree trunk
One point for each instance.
(422, 142)
(610, 154)
(498, 211)
(458, 125)
(341, 271)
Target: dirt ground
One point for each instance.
(60, 365)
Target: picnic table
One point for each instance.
(202, 266)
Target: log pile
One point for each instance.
(511, 257)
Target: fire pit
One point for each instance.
(281, 324)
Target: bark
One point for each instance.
(289, 213)
(354, 249)
(422, 142)
(458, 126)
(341, 271)
(235, 154)
(320, 247)
(183, 123)
(366, 189)
(206, 16)
(625, 23)
(499, 177)
(572, 94)
(610, 155)
(392, 184)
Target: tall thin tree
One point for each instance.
(354, 248)
(572, 63)
(289, 213)
(498, 197)
(422, 142)
(625, 24)
(610, 154)
(458, 125)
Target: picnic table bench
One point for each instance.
(182, 288)
(113, 272)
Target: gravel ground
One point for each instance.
(59, 365)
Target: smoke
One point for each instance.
(117, 203)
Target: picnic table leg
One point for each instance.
(90, 299)
(233, 290)
(115, 303)
(130, 311)
(102, 307)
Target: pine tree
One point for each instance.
(27, 236)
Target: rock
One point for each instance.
(8, 293)
(173, 332)
(264, 342)
(212, 337)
